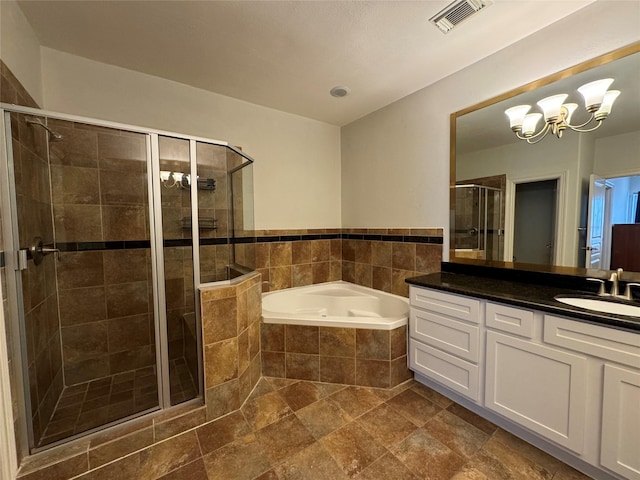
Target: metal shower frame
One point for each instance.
(11, 246)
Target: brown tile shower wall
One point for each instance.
(100, 195)
(231, 338)
(12, 92)
(40, 302)
(365, 357)
(106, 313)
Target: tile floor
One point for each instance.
(88, 405)
(303, 430)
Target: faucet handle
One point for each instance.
(601, 290)
(627, 291)
(619, 271)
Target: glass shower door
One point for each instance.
(88, 335)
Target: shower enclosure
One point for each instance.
(479, 222)
(110, 230)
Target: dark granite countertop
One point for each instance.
(523, 294)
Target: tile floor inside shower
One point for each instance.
(85, 406)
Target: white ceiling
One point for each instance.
(287, 55)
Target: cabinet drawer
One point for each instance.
(449, 370)
(608, 343)
(509, 319)
(445, 333)
(456, 306)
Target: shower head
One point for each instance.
(53, 136)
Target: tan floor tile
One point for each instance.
(312, 463)
(193, 471)
(527, 450)
(498, 462)
(431, 395)
(356, 400)
(327, 389)
(428, 458)
(414, 407)
(386, 468)
(265, 410)
(323, 417)
(219, 433)
(468, 473)
(300, 394)
(352, 448)
(278, 383)
(284, 438)
(476, 420)
(262, 388)
(270, 475)
(565, 472)
(460, 436)
(243, 457)
(386, 426)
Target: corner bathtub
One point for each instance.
(335, 304)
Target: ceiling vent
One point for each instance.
(456, 13)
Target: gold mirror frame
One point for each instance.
(566, 73)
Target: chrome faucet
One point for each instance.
(615, 278)
(614, 284)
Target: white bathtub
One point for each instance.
(335, 304)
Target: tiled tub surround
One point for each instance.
(231, 339)
(375, 258)
(339, 346)
(372, 358)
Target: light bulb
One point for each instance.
(516, 115)
(593, 93)
(607, 104)
(551, 106)
(529, 124)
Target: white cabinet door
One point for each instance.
(620, 447)
(540, 388)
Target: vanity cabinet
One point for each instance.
(573, 386)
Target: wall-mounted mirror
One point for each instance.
(562, 202)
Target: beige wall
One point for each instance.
(20, 49)
(618, 155)
(297, 169)
(395, 162)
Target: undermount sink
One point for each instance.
(598, 305)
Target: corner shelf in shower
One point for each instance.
(204, 223)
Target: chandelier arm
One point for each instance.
(540, 134)
(598, 124)
(573, 127)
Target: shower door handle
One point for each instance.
(38, 251)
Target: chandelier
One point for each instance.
(557, 115)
